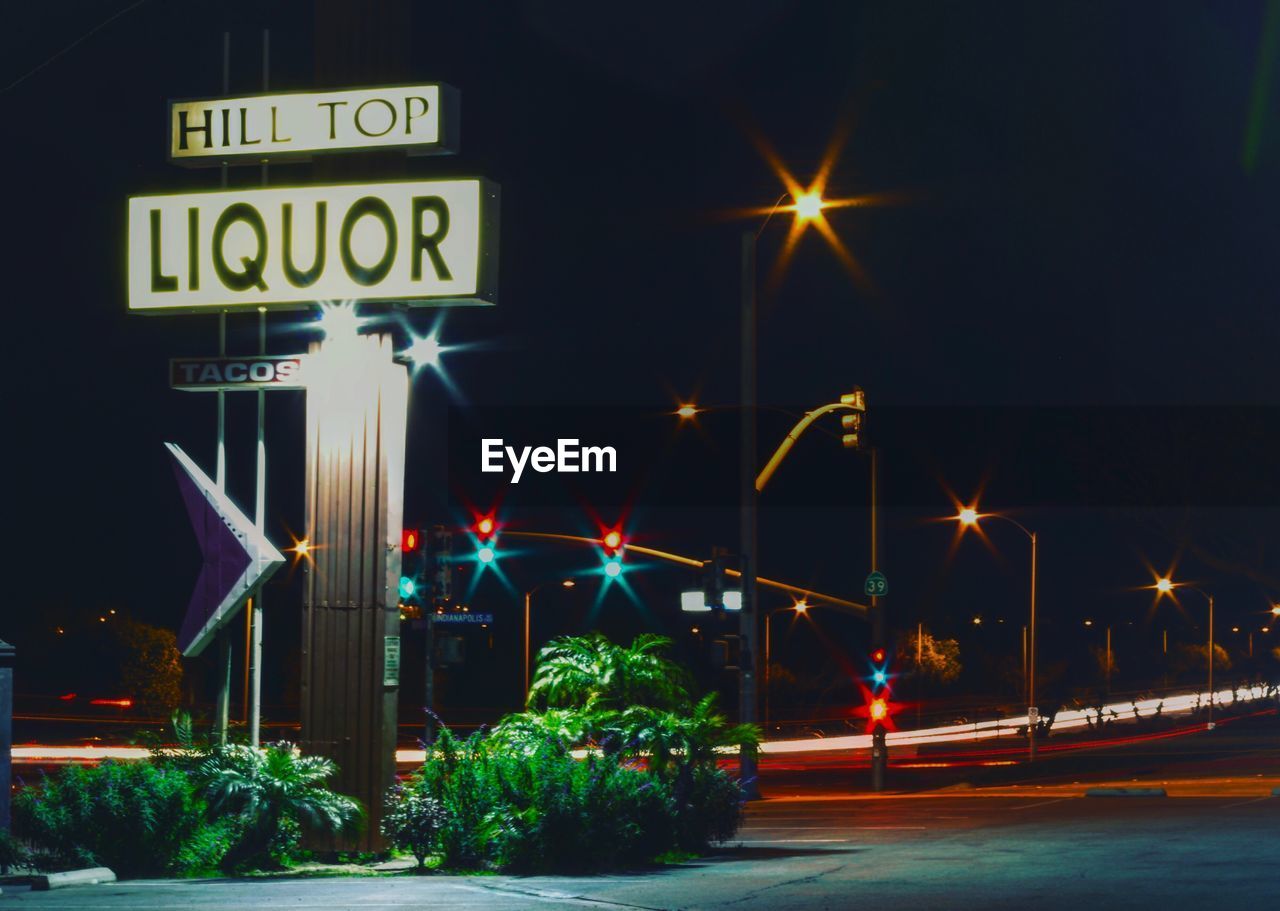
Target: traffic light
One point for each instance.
(441, 557)
(713, 580)
(851, 422)
(411, 565)
(879, 659)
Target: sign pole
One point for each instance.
(260, 497)
(223, 702)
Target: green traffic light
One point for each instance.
(407, 587)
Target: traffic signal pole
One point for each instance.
(749, 518)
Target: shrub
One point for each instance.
(412, 820)
(272, 792)
(132, 817)
(12, 852)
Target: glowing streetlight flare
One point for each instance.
(568, 583)
(968, 517)
(801, 606)
(339, 320)
(1164, 585)
(809, 205)
(1275, 610)
(687, 412)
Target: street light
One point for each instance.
(968, 517)
(799, 608)
(528, 601)
(1165, 586)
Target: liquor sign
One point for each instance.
(425, 242)
(254, 128)
(230, 374)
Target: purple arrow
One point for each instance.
(238, 558)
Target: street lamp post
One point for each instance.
(528, 604)
(799, 608)
(1165, 586)
(968, 517)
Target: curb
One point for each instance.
(1126, 792)
(45, 881)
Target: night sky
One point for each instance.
(1080, 246)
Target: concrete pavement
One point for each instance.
(977, 850)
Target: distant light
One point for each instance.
(1088, 623)
(485, 555)
(102, 619)
(694, 601)
(613, 569)
(67, 697)
(302, 548)
(112, 611)
(977, 621)
(1266, 629)
(1235, 629)
(809, 205)
(1164, 585)
(732, 599)
(968, 516)
(687, 411)
(568, 583)
(1275, 610)
(800, 606)
(119, 703)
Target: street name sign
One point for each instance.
(249, 129)
(233, 374)
(463, 617)
(421, 242)
(237, 557)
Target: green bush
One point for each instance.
(132, 817)
(12, 852)
(412, 820)
(517, 799)
(271, 793)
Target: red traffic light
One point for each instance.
(878, 710)
(878, 655)
(409, 540)
(485, 527)
(612, 540)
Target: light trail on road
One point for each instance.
(966, 733)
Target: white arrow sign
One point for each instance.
(238, 558)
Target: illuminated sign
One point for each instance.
(253, 128)
(463, 617)
(228, 374)
(425, 242)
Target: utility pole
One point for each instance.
(748, 504)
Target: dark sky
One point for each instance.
(1087, 222)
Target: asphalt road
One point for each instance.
(1018, 848)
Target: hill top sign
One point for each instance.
(254, 128)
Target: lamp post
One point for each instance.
(969, 518)
(1165, 586)
(799, 608)
(528, 604)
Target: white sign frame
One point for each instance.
(238, 260)
(294, 126)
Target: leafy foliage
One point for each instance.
(12, 852)
(132, 817)
(412, 820)
(647, 784)
(151, 670)
(939, 659)
(592, 673)
(271, 792)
